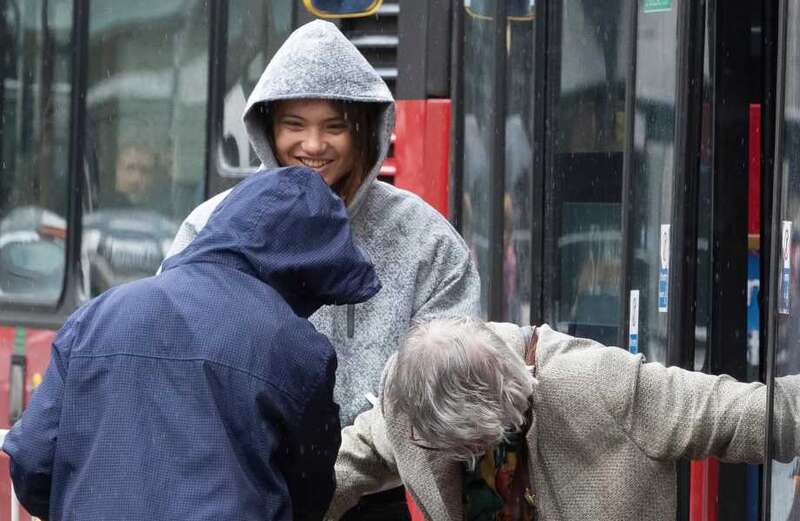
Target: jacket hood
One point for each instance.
(287, 228)
(318, 61)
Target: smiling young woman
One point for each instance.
(335, 138)
(320, 104)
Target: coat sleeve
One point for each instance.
(366, 462)
(786, 421)
(312, 449)
(31, 443)
(447, 281)
(671, 413)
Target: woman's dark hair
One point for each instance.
(362, 117)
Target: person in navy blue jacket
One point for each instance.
(200, 393)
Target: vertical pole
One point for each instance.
(776, 255)
(628, 164)
(497, 186)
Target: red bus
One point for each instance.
(594, 155)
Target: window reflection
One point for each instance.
(256, 29)
(35, 72)
(704, 275)
(146, 120)
(585, 143)
(785, 495)
(653, 173)
(478, 135)
(519, 163)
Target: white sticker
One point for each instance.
(785, 299)
(633, 323)
(663, 272)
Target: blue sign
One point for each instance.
(663, 289)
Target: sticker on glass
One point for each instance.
(785, 299)
(633, 323)
(663, 271)
(657, 6)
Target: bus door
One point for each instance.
(685, 212)
(782, 476)
(610, 202)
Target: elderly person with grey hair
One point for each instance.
(487, 421)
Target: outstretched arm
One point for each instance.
(365, 464)
(672, 413)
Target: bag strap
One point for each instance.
(531, 337)
(525, 494)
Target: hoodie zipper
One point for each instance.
(351, 320)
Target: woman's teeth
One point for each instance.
(314, 163)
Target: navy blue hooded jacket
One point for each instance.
(202, 393)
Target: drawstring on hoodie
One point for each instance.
(351, 320)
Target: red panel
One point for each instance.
(754, 172)
(38, 343)
(703, 494)
(422, 149)
(416, 514)
(7, 336)
(37, 354)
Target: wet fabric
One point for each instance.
(423, 264)
(202, 393)
(606, 430)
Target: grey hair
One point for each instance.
(461, 387)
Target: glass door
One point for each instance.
(783, 492)
(652, 179)
(584, 160)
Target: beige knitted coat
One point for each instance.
(607, 429)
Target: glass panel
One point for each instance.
(35, 73)
(146, 138)
(705, 198)
(256, 29)
(786, 476)
(519, 163)
(585, 143)
(653, 172)
(479, 116)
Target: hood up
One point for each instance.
(318, 61)
(287, 228)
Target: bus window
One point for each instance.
(146, 133)
(35, 72)
(256, 29)
(519, 164)
(585, 142)
(785, 493)
(479, 118)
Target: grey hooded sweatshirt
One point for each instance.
(423, 264)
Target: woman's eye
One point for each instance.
(337, 127)
(293, 125)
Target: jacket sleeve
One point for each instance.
(31, 443)
(447, 281)
(671, 413)
(312, 449)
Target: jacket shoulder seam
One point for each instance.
(200, 359)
